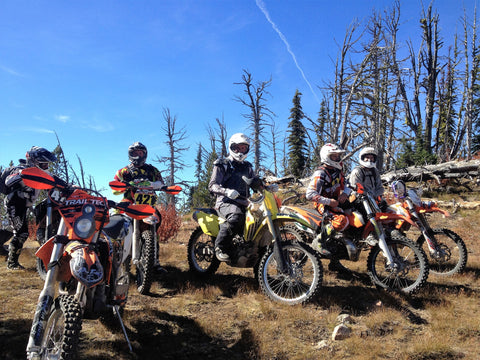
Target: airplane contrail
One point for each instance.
(263, 8)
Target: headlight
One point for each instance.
(84, 226)
(399, 189)
(413, 195)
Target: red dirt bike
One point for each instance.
(447, 253)
(394, 262)
(142, 247)
(82, 268)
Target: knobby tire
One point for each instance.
(413, 262)
(304, 281)
(201, 254)
(144, 268)
(455, 252)
(62, 330)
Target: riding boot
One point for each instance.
(12, 260)
(5, 235)
(320, 241)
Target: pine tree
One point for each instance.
(297, 159)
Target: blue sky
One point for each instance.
(100, 73)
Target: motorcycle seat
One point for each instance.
(115, 226)
(208, 211)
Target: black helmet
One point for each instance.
(39, 157)
(137, 154)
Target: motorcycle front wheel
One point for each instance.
(201, 254)
(450, 256)
(408, 272)
(144, 267)
(301, 284)
(62, 330)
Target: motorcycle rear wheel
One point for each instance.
(304, 281)
(201, 254)
(411, 270)
(453, 258)
(62, 329)
(144, 267)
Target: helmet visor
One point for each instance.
(137, 153)
(240, 148)
(43, 165)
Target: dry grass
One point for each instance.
(228, 317)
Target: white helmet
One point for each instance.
(367, 163)
(326, 151)
(233, 146)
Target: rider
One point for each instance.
(227, 184)
(20, 198)
(366, 173)
(327, 190)
(138, 172)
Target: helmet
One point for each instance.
(327, 151)
(137, 154)
(236, 151)
(367, 151)
(39, 157)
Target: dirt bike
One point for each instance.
(447, 253)
(288, 271)
(144, 244)
(394, 262)
(83, 277)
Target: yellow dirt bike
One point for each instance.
(288, 271)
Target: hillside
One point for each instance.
(228, 317)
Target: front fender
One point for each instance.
(431, 209)
(85, 264)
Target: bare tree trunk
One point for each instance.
(256, 103)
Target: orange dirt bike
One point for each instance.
(447, 253)
(141, 235)
(83, 269)
(394, 262)
(288, 271)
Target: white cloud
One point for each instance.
(10, 71)
(106, 127)
(62, 118)
(39, 130)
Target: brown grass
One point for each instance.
(227, 317)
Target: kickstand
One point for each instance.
(119, 317)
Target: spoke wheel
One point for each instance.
(62, 329)
(301, 284)
(409, 270)
(450, 256)
(201, 253)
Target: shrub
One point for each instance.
(170, 224)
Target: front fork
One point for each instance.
(278, 253)
(45, 299)
(382, 242)
(136, 242)
(424, 228)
